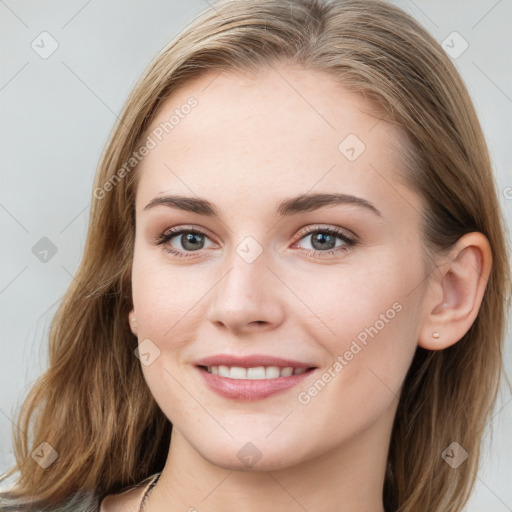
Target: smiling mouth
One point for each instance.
(254, 373)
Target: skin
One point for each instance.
(249, 144)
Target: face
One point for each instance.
(333, 289)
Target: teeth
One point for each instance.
(223, 371)
(272, 372)
(254, 373)
(235, 372)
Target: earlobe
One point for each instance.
(132, 320)
(456, 292)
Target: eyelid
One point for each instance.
(350, 239)
(312, 228)
(175, 230)
(304, 231)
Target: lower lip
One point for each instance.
(248, 389)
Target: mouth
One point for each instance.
(252, 382)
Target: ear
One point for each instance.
(133, 322)
(456, 291)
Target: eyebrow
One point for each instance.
(290, 206)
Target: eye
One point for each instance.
(190, 239)
(323, 240)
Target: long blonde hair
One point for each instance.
(92, 404)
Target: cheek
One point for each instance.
(370, 357)
(367, 319)
(359, 300)
(165, 296)
(164, 299)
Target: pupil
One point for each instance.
(189, 239)
(323, 239)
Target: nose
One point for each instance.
(249, 297)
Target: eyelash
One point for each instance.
(168, 235)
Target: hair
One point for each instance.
(93, 405)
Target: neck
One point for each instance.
(348, 478)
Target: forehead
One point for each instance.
(281, 130)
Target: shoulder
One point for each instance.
(83, 501)
(127, 501)
(79, 502)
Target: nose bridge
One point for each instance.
(247, 269)
(244, 294)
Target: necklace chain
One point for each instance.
(148, 491)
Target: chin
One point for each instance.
(252, 456)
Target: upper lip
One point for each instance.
(251, 361)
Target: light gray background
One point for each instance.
(56, 114)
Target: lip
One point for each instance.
(249, 389)
(251, 361)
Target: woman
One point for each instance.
(295, 253)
